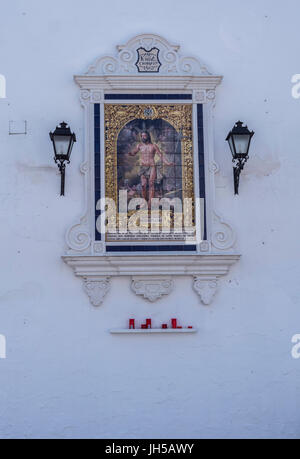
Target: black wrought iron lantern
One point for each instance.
(63, 140)
(239, 139)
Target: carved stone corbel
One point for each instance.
(97, 289)
(206, 289)
(223, 236)
(152, 288)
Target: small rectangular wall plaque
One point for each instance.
(17, 127)
(148, 60)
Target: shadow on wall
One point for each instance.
(262, 167)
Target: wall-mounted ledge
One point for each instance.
(151, 275)
(138, 331)
(151, 265)
(135, 82)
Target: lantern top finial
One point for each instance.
(64, 130)
(239, 129)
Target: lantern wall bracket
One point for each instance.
(62, 169)
(237, 169)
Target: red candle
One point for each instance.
(179, 327)
(148, 323)
(131, 323)
(144, 326)
(190, 327)
(164, 326)
(174, 323)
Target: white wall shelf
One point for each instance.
(152, 330)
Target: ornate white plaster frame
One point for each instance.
(151, 274)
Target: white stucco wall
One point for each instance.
(65, 375)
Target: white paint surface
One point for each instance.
(65, 375)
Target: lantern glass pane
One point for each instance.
(71, 147)
(241, 143)
(230, 141)
(61, 144)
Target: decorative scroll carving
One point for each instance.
(152, 288)
(214, 167)
(211, 94)
(97, 289)
(84, 167)
(223, 237)
(172, 62)
(78, 237)
(85, 95)
(206, 289)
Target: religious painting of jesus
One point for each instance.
(149, 160)
(149, 151)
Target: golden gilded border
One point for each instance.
(116, 116)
